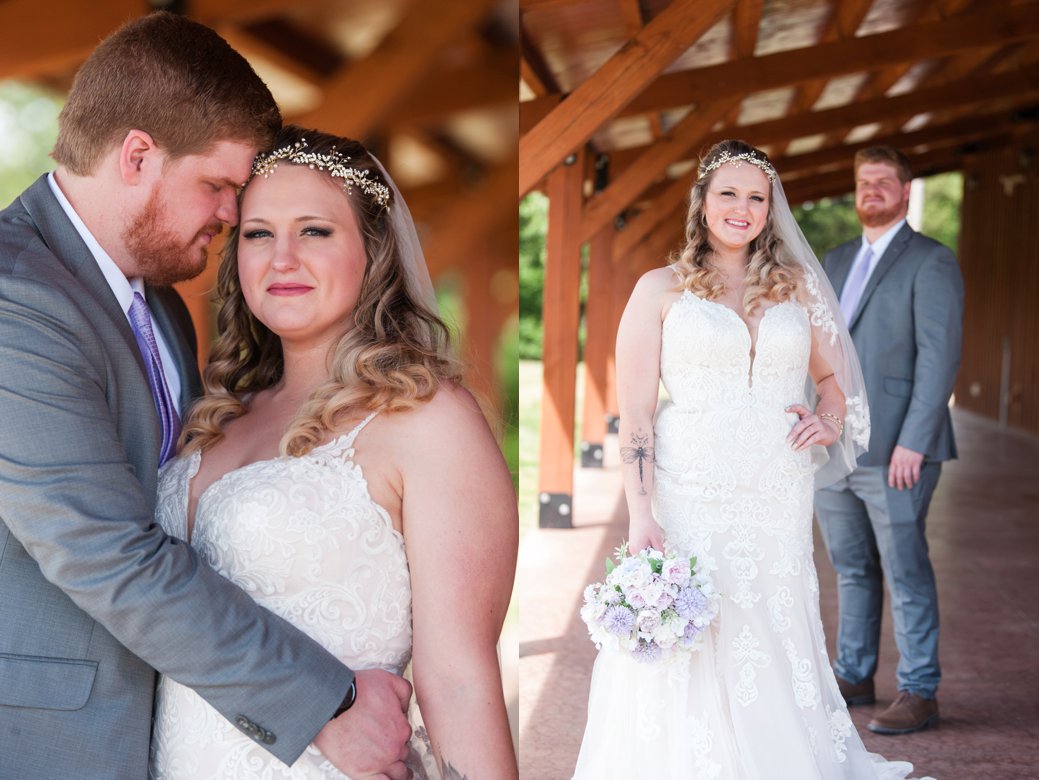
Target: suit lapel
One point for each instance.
(840, 265)
(887, 260)
(65, 243)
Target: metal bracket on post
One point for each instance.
(556, 510)
(591, 455)
(613, 423)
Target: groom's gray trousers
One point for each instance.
(873, 531)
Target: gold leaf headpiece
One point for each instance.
(333, 163)
(737, 160)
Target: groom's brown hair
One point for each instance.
(173, 78)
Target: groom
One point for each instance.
(159, 130)
(902, 296)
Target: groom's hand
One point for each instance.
(370, 740)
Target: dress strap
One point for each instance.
(349, 438)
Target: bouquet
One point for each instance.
(651, 605)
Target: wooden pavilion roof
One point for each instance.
(649, 84)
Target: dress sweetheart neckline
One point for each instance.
(195, 464)
(752, 349)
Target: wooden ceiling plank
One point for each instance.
(374, 86)
(630, 184)
(896, 50)
(614, 85)
(533, 68)
(976, 90)
(923, 41)
(843, 24)
(956, 133)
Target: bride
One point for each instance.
(762, 376)
(338, 472)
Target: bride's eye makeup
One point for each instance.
(316, 231)
(257, 233)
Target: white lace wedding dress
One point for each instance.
(304, 538)
(759, 701)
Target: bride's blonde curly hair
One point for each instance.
(772, 274)
(395, 355)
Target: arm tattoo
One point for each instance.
(448, 772)
(641, 454)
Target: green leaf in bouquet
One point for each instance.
(692, 566)
(610, 566)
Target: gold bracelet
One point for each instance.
(835, 420)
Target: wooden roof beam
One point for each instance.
(955, 133)
(630, 184)
(614, 85)
(923, 41)
(654, 159)
(746, 21)
(1023, 84)
(376, 85)
(843, 24)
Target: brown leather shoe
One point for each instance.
(907, 713)
(855, 694)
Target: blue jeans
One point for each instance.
(875, 533)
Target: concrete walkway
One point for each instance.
(984, 537)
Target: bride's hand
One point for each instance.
(809, 429)
(645, 534)
(370, 740)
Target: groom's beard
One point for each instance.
(160, 255)
(872, 215)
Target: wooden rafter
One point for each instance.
(842, 25)
(650, 165)
(614, 85)
(376, 85)
(923, 41)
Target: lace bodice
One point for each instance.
(305, 539)
(705, 354)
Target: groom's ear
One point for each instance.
(138, 155)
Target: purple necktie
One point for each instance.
(856, 283)
(141, 321)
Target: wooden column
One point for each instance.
(559, 348)
(490, 300)
(597, 346)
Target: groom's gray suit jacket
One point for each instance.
(93, 595)
(908, 331)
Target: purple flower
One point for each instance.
(619, 621)
(692, 631)
(646, 652)
(690, 603)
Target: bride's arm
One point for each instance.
(461, 534)
(826, 423)
(638, 383)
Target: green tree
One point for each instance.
(943, 197)
(828, 222)
(28, 128)
(533, 228)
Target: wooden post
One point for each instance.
(597, 342)
(559, 346)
